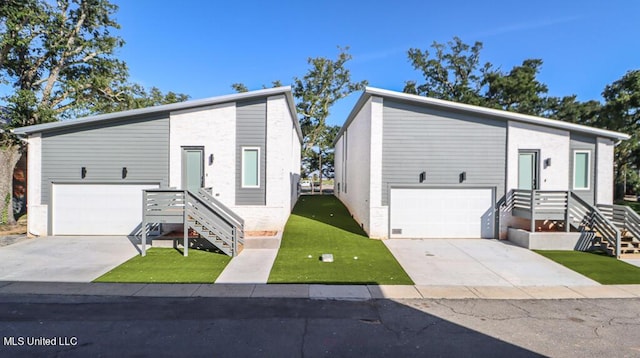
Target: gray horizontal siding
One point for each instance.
(442, 144)
(583, 142)
(251, 131)
(139, 144)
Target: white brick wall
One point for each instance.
(358, 140)
(38, 213)
(378, 214)
(604, 171)
(552, 143)
(214, 128)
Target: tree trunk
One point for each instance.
(9, 156)
(320, 169)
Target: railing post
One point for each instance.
(567, 217)
(185, 225)
(234, 242)
(533, 211)
(143, 239)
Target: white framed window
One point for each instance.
(581, 170)
(250, 167)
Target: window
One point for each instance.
(250, 167)
(581, 169)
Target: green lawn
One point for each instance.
(599, 267)
(319, 225)
(167, 265)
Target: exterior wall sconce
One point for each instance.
(547, 162)
(124, 172)
(463, 176)
(423, 177)
(83, 172)
(210, 158)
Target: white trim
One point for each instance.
(244, 149)
(371, 91)
(174, 107)
(588, 152)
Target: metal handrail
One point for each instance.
(216, 217)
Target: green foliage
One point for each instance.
(516, 91)
(321, 225)
(133, 96)
(59, 57)
(240, 87)
(453, 73)
(326, 82)
(621, 112)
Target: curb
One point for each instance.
(318, 291)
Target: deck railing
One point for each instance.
(570, 208)
(199, 211)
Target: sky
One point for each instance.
(201, 47)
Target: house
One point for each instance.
(87, 176)
(415, 167)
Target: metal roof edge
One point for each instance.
(162, 108)
(364, 97)
(372, 91)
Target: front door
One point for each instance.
(192, 169)
(528, 170)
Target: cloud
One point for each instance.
(538, 24)
(378, 55)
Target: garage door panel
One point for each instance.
(97, 209)
(441, 213)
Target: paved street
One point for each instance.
(270, 327)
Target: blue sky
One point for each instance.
(201, 47)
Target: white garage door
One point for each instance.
(97, 209)
(441, 213)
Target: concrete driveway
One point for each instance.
(479, 262)
(64, 259)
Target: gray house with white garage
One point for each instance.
(87, 176)
(408, 166)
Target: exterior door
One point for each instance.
(192, 169)
(528, 170)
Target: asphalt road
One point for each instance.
(81, 326)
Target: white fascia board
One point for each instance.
(286, 90)
(496, 113)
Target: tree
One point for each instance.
(323, 159)
(621, 112)
(516, 91)
(132, 96)
(453, 73)
(59, 59)
(241, 87)
(326, 82)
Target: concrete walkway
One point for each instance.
(254, 263)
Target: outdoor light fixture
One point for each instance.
(423, 176)
(547, 162)
(83, 172)
(210, 158)
(463, 176)
(124, 172)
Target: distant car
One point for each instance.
(305, 184)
